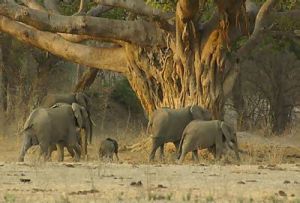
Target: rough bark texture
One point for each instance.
(185, 74)
(86, 80)
(165, 68)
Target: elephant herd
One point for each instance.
(190, 128)
(60, 120)
(57, 124)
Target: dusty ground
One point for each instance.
(269, 172)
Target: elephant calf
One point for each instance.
(107, 148)
(207, 135)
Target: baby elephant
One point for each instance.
(107, 148)
(207, 135)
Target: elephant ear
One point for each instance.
(77, 113)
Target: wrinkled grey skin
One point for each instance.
(83, 122)
(213, 135)
(53, 126)
(107, 148)
(60, 147)
(79, 98)
(167, 125)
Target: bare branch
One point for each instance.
(100, 58)
(33, 4)
(137, 6)
(260, 26)
(138, 32)
(82, 7)
(98, 10)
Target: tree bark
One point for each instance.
(86, 80)
(165, 69)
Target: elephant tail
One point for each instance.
(180, 145)
(25, 128)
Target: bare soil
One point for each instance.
(269, 172)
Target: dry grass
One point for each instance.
(256, 176)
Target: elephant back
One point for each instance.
(170, 123)
(36, 116)
(52, 99)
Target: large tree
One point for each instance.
(171, 58)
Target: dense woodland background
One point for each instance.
(266, 94)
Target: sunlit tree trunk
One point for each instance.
(193, 71)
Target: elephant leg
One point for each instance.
(44, 151)
(176, 143)
(117, 156)
(60, 151)
(236, 151)
(182, 155)
(71, 151)
(51, 149)
(219, 150)
(155, 145)
(26, 145)
(195, 155)
(212, 150)
(161, 147)
(110, 156)
(77, 150)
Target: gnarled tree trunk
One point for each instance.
(168, 64)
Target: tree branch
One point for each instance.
(100, 58)
(137, 6)
(70, 37)
(260, 26)
(33, 4)
(138, 32)
(98, 10)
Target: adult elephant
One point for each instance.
(79, 98)
(69, 98)
(58, 126)
(214, 135)
(167, 125)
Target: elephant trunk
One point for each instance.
(236, 151)
(234, 147)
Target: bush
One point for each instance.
(124, 95)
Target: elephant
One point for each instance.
(80, 98)
(107, 148)
(213, 135)
(54, 126)
(83, 122)
(168, 124)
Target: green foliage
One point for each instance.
(208, 10)
(116, 13)
(9, 198)
(69, 9)
(166, 5)
(124, 94)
